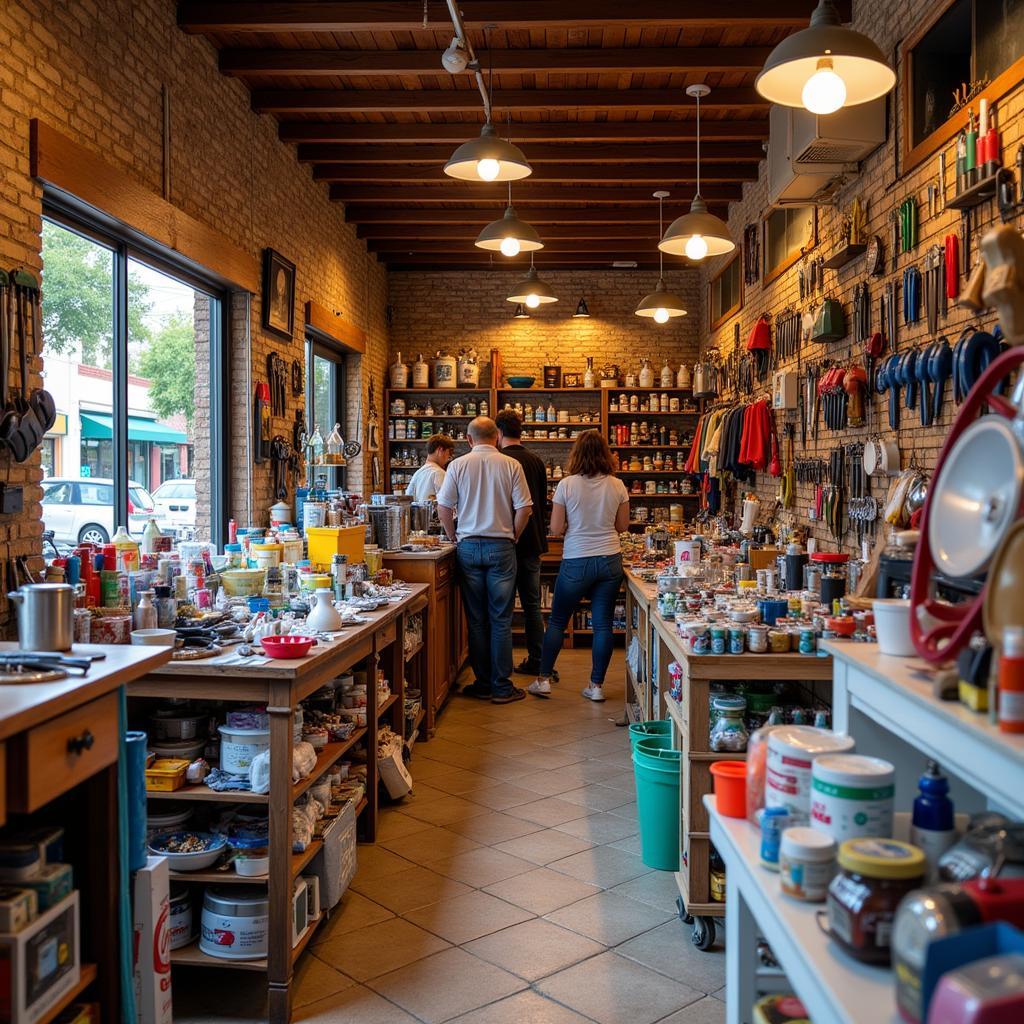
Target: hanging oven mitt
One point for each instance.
(830, 323)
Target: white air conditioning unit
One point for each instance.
(810, 157)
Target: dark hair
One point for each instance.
(510, 423)
(439, 441)
(591, 456)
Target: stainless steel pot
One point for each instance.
(45, 616)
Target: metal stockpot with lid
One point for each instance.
(46, 616)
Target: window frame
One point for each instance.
(736, 261)
(125, 245)
(320, 346)
(769, 275)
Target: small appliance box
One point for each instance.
(39, 964)
(151, 912)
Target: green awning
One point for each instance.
(98, 426)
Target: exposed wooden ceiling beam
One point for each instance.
(595, 246)
(640, 195)
(367, 63)
(344, 101)
(201, 16)
(668, 174)
(467, 231)
(523, 132)
(517, 268)
(388, 217)
(539, 153)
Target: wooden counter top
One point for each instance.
(427, 555)
(643, 589)
(24, 705)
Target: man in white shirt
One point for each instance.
(489, 492)
(426, 481)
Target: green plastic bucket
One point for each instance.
(656, 769)
(651, 730)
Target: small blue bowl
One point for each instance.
(521, 382)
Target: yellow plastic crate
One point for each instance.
(327, 541)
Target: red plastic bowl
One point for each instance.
(287, 646)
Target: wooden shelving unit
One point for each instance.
(86, 976)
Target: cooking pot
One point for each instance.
(46, 614)
(881, 457)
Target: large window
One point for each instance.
(133, 352)
(325, 394)
(789, 231)
(725, 293)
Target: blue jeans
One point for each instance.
(600, 579)
(487, 576)
(528, 587)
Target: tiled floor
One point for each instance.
(508, 889)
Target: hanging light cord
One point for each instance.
(661, 232)
(698, 145)
(474, 63)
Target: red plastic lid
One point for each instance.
(832, 557)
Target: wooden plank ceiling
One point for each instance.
(592, 90)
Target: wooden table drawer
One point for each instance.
(443, 571)
(57, 755)
(386, 635)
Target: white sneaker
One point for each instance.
(540, 687)
(594, 693)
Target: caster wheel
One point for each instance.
(703, 936)
(681, 910)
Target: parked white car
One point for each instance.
(176, 503)
(82, 510)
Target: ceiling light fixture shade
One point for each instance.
(520, 312)
(825, 67)
(661, 305)
(455, 59)
(532, 291)
(488, 158)
(697, 234)
(581, 309)
(509, 236)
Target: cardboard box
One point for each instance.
(151, 911)
(39, 964)
(395, 776)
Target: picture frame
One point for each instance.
(572, 380)
(278, 294)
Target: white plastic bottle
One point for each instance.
(150, 535)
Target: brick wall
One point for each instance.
(456, 310)
(97, 71)
(883, 185)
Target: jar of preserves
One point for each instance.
(728, 733)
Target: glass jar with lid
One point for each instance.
(729, 731)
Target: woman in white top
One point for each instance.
(591, 507)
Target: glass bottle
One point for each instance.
(588, 374)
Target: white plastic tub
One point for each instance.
(892, 627)
(234, 923)
(238, 747)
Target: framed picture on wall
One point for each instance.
(278, 293)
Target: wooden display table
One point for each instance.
(446, 622)
(641, 598)
(62, 740)
(690, 728)
(282, 685)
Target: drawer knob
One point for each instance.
(77, 744)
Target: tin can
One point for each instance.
(778, 641)
(774, 821)
(718, 640)
(808, 641)
(701, 643)
(757, 639)
(736, 637)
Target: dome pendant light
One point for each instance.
(698, 233)
(825, 67)
(520, 312)
(661, 304)
(581, 309)
(532, 291)
(488, 158)
(510, 236)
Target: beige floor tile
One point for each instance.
(534, 949)
(407, 890)
(368, 952)
(444, 811)
(493, 828)
(656, 888)
(607, 918)
(392, 824)
(315, 980)
(356, 1005)
(610, 989)
(550, 811)
(447, 985)
(543, 847)
(430, 843)
(481, 867)
(523, 1008)
(500, 796)
(549, 759)
(599, 828)
(461, 781)
(600, 798)
(511, 747)
(627, 810)
(631, 844)
(619, 758)
(553, 783)
(608, 774)
(541, 891)
(668, 950)
(705, 1011)
(602, 865)
(376, 862)
(504, 769)
(468, 917)
(423, 769)
(354, 911)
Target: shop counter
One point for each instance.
(281, 685)
(641, 598)
(445, 621)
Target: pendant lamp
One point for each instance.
(825, 67)
(510, 236)
(698, 233)
(581, 309)
(661, 304)
(520, 312)
(532, 291)
(488, 158)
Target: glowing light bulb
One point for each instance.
(510, 246)
(696, 247)
(533, 301)
(661, 315)
(488, 169)
(824, 92)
